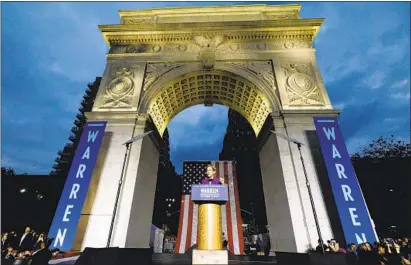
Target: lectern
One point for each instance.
(209, 233)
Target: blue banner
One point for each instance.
(353, 212)
(212, 192)
(64, 226)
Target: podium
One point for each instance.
(209, 232)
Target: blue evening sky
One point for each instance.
(51, 50)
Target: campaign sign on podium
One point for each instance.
(209, 193)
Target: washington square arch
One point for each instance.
(258, 60)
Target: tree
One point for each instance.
(7, 172)
(383, 169)
(385, 148)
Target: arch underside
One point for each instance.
(205, 87)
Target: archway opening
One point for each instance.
(210, 134)
(208, 88)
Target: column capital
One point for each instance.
(305, 117)
(311, 113)
(113, 117)
(278, 120)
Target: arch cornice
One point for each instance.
(268, 90)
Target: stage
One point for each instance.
(169, 259)
(280, 258)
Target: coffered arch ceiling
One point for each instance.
(205, 87)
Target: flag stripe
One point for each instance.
(180, 227)
(238, 211)
(229, 219)
(223, 207)
(233, 208)
(189, 224)
(194, 225)
(185, 221)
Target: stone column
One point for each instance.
(282, 199)
(297, 122)
(134, 212)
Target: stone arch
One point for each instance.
(228, 85)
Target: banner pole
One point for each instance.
(113, 218)
(307, 182)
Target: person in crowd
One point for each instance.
(225, 241)
(40, 239)
(19, 259)
(8, 254)
(41, 256)
(26, 240)
(352, 249)
(12, 238)
(339, 248)
(321, 246)
(405, 249)
(22, 258)
(5, 243)
(391, 246)
(366, 256)
(334, 247)
(382, 259)
(260, 247)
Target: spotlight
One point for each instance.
(23, 190)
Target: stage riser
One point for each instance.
(284, 258)
(110, 256)
(145, 256)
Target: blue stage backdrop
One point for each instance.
(66, 218)
(353, 212)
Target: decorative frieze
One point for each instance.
(172, 48)
(197, 46)
(264, 46)
(188, 37)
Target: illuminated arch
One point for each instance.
(188, 86)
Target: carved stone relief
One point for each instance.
(140, 21)
(155, 70)
(301, 85)
(208, 46)
(119, 91)
(281, 16)
(263, 46)
(261, 68)
(139, 48)
(154, 48)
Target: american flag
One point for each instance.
(193, 173)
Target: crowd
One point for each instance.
(386, 252)
(169, 244)
(28, 247)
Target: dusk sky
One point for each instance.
(50, 51)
